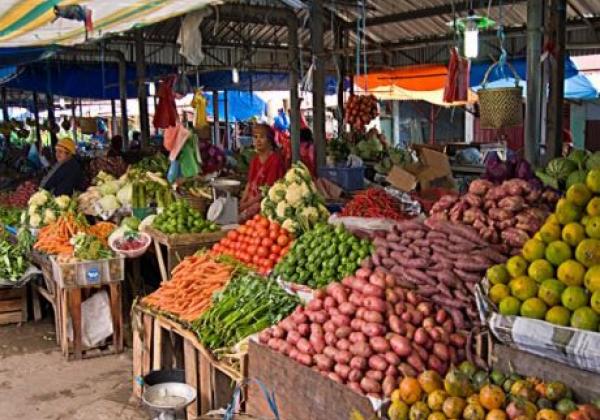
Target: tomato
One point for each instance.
(274, 258)
(273, 234)
(285, 249)
(282, 240)
(232, 235)
(276, 249)
(217, 248)
(251, 249)
(242, 230)
(267, 264)
(257, 217)
(256, 259)
(262, 232)
(263, 223)
(262, 252)
(266, 242)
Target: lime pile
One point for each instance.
(557, 275)
(179, 217)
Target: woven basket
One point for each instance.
(197, 203)
(500, 107)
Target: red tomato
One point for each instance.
(267, 242)
(262, 232)
(232, 235)
(264, 223)
(282, 240)
(262, 252)
(242, 229)
(245, 257)
(275, 249)
(256, 259)
(257, 217)
(285, 249)
(274, 258)
(217, 248)
(251, 249)
(256, 240)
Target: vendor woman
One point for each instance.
(265, 168)
(66, 175)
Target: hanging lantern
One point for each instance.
(235, 76)
(471, 39)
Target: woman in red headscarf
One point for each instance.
(265, 168)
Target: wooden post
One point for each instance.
(113, 118)
(556, 38)
(341, 63)
(74, 116)
(215, 117)
(140, 64)
(294, 100)
(226, 108)
(431, 125)
(4, 104)
(51, 119)
(36, 116)
(123, 101)
(533, 110)
(317, 21)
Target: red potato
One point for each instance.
(379, 344)
(374, 304)
(293, 354)
(373, 290)
(330, 339)
(357, 324)
(453, 355)
(335, 377)
(448, 326)
(421, 336)
(396, 324)
(361, 349)
(338, 293)
(376, 375)
(441, 351)
(277, 331)
(318, 316)
(287, 324)
(347, 308)
(315, 305)
(407, 370)
(356, 299)
(426, 308)
(354, 375)
(341, 320)
(388, 385)
(378, 279)
(400, 345)
(329, 326)
(399, 308)
(363, 273)
(373, 317)
(458, 340)
(329, 302)
(347, 281)
(357, 337)
(389, 280)
(355, 386)
(433, 362)
(410, 331)
(342, 370)
(319, 294)
(343, 332)
(369, 385)
(299, 317)
(377, 362)
(416, 318)
(371, 329)
(304, 346)
(415, 361)
(420, 350)
(317, 342)
(358, 363)
(343, 357)
(392, 358)
(305, 359)
(391, 297)
(343, 344)
(330, 351)
(323, 362)
(441, 316)
(392, 371)
(429, 323)
(293, 337)
(264, 336)
(358, 284)
(316, 329)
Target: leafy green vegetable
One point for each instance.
(88, 248)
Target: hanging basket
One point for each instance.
(87, 125)
(500, 107)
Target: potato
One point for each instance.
(293, 337)
(426, 308)
(329, 302)
(396, 324)
(318, 316)
(433, 362)
(388, 386)
(377, 279)
(323, 362)
(356, 299)
(429, 323)
(305, 359)
(317, 342)
(373, 316)
(343, 344)
(392, 371)
(373, 290)
(371, 329)
(441, 316)
(363, 273)
(415, 361)
(441, 350)
(319, 294)
(378, 362)
(356, 324)
(299, 317)
(407, 370)
(303, 330)
(330, 339)
(416, 318)
(347, 308)
(392, 358)
(335, 377)
(316, 329)
(379, 344)
(341, 320)
(315, 305)
(357, 337)
(410, 331)
(374, 304)
(376, 375)
(358, 284)
(391, 296)
(342, 370)
(400, 345)
(358, 363)
(277, 332)
(293, 354)
(421, 336)
(264, 336)
(361, 349)
(304, 346)
(420, 351)
(458, 340)
(354, 375)
(355, 386)
(329, 351)
(343, 332)
(287, 324)
(343, 357)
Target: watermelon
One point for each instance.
(576, 177)
(579, 157)
(560, 168)
(593, 162)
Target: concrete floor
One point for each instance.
(37, 383)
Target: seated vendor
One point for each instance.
(112, 163)
(265, 168)
(66, 176)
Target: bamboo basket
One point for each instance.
(500, 107)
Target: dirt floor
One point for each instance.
(37, 383)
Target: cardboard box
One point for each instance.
(433, 171)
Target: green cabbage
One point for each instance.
(579, 157)
(124, 195)
(109, 203)
(109, 188)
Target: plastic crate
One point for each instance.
(350, 179)
(143, 212)
(89, 273)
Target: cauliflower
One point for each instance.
(33, 209)
(35, 220)
(311, 214)
(109, 203)
(290, 225)
(304, 190)
(277, 192)
(63, 201)
(293, 195)
(39, 198)
(291, 176)
(282, 206)
(49, 217)
(323, 210)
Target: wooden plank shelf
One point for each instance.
(13, 305)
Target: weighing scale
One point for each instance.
(224, 209)
(169, 400)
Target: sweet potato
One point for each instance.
(458, 340)
(457, 318)
(467, 264)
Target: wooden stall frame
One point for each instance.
(13, 305)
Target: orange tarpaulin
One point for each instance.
(423, 77)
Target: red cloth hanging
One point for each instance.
(165, 114)
(457, 81)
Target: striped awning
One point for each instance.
(32, 22)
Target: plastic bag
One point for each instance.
(188, 158)
(174, 171)
(96, 320)
(30, 273)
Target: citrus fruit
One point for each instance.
(567, 212)
(558, 315)
(584, 220)
(558, 252)
(453, 407)
(595, 301)
(538, 236)
(592, 278)
(588, 252)
(548, 414)
(593, 207)
(510, 305)
(573, 233)
(419, 411)
(571, 273)
(534, 308)
(578, 194)
(497, 274)
(552, 219)
(523, 287)
(436, 399)
(410, 390)
(592, 227)
(516, 266)
(430, 381)
(592, 180)
(498, 292)
(574, 297)
(491, 397)
(437, 415)
(566, 406)
(550, 232)
(540, 270)
(585, 318)
(496, 414)
(533, 250)
(550, 291)
(398, 410)
(473, 412)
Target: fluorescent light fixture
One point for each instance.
(151, 89)
(235, 76)
(61, 102)
(471, 39)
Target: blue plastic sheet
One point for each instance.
(241, 105)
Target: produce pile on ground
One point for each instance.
(158, 163)
(470, 394)
(258, 243)
(561, 173)
(441, 261)
(189, 292)
(367, 332)
(294, 202)
(361, 110)
(14, 256)
(19, 197)
(557, 275)
(374, 202)
(180, 217)
(506, 214)
(44, 208)
(248, 304)
(323, 255)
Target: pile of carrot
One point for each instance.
(102, 231)
(194, 281)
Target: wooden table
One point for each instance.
(67, 301)
(180, 246)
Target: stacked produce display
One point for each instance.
(374, 203)
(557, 275)
(43, 209)
(561, 173)
(20, 196)
(360, 110)
(179, 217)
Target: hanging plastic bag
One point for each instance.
(188, 158)
(182, 86)
(174, 171)
(166, 112)
(181, 137)
(33, 156)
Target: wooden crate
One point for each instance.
(13, 305)
(585, 385)
(179, 246)
(161, 343)
(300, 392)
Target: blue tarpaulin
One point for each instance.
(577, 85)
(18, 56)
(241, 105)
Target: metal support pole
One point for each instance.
(341, 63)
(4, 105)
(74, 116)
(557, 23)
(36, 116)
(113, 118)
(140, 65)
(318, 81)
(533, 110)
(226, 109)
(396, 122)
(215, 117)
(123, 101)
(294, 100)
(51, 119)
